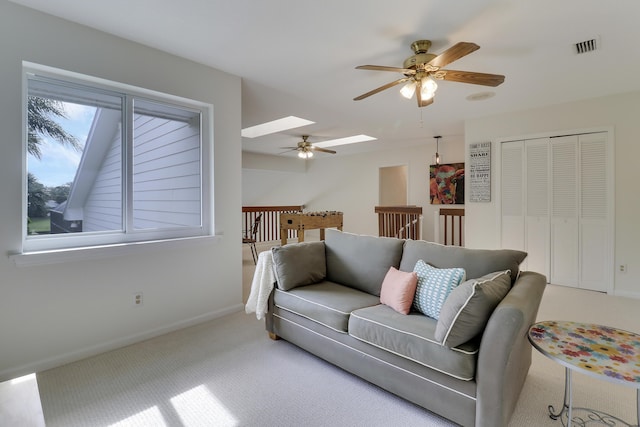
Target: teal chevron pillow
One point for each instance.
(434, 285)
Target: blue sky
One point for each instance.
(59, 163)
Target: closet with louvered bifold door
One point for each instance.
(556, 194)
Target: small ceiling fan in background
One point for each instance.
(422, 69)
(305, 149)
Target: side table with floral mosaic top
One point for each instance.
(600, 351)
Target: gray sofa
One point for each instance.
(327, 301)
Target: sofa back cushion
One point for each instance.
(299, 264)
(361, 262)
(476, 262)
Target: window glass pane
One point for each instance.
(74, 160)
(166, 166)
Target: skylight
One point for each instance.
(343, 141)
(286, 123)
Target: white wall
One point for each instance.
(345, 183)
(52, 314)
(273, 180)
(350, 183)
(620, 112)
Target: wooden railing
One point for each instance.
(449, 226)
(269, 229)
(403, 222)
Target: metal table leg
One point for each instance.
(567, 401)
(586, 416)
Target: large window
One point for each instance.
(111, 164)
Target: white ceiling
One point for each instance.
(298, 57)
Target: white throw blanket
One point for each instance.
(261, 286)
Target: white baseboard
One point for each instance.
(74, 356)
(627, 294)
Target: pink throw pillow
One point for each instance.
(398, 290)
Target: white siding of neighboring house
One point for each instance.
(166, 173)
(166, 178)
(103, 208)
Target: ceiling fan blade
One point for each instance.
(287, 150)
(473, 78)
(455, 52)
(384, 68)
(324, 150)
(381, 88)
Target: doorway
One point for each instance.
(393, 187)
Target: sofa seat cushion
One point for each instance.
(327, 303)
(413, 337)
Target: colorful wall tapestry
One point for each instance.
(446, 184)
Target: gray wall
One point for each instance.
(52, 314)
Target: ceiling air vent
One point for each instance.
(587, 46)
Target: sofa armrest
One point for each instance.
(505, 353)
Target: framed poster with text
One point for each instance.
(480, 172)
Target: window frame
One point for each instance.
(73, 243)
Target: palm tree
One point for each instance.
(36, 204)
(41, 112)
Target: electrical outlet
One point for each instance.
(622, 268)
(137, 299)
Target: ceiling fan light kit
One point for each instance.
(305, 154)
(408, 90)
(427, 86)
(422, 69)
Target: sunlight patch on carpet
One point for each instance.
(148, 417)
(198, 405)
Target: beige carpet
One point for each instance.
(227, 372)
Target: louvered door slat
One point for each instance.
(564, 211)
(512, 193)
(537, 206)
(593, 212)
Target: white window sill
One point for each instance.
(105, 251)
